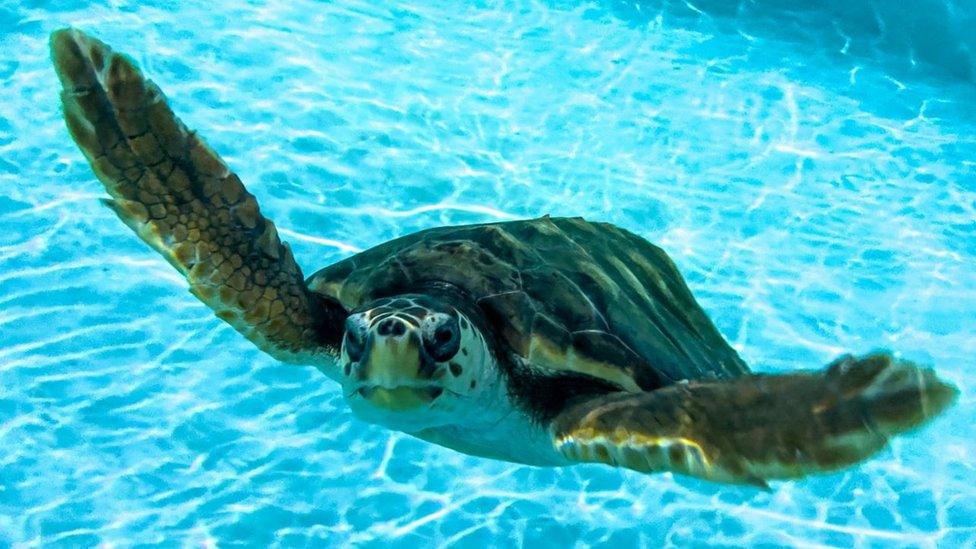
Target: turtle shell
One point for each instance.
(564, 294)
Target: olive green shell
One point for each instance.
(565, 294)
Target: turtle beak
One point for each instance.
(392, 373)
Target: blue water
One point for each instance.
(811, 171)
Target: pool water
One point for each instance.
(811, 171)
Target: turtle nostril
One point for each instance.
(391, 327)
(399, 329)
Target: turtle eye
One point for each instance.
(442, 337)
(353, 342)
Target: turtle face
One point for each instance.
(413, 362)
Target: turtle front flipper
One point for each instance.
(759, 427)
(182, 199)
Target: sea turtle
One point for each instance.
(548, 341)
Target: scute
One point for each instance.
(564, 294)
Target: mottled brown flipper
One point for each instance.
(759, 427)
(183, 200)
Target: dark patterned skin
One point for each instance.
(549, 341)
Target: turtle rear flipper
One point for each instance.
(178, 195)
(759, 427)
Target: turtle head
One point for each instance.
(413, 361)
